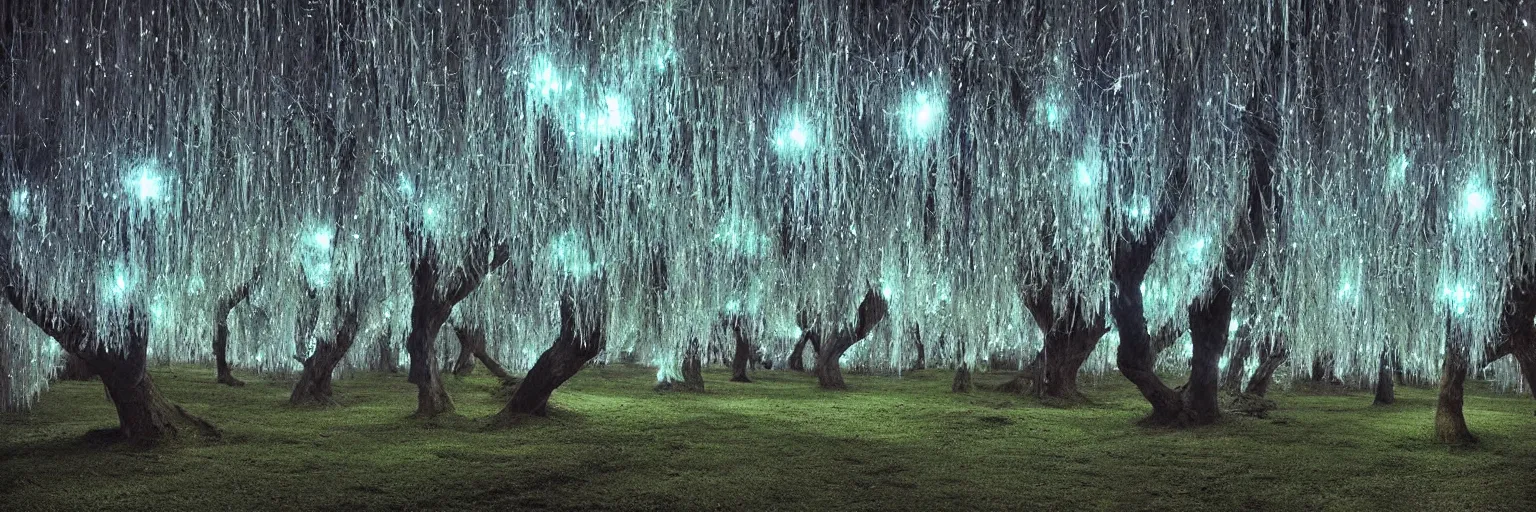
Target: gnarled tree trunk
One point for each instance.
(1272, 354)
(797, 356)
(1069, 339)
(145, 417)
(743, 355)
(962, 382)
(389, 358)
(75, 368)
(1385, 392)
(582, 336)
(1232, 380)
(829, 371)
(1450, 424)
(693, 368)
(922, 355)
(221, 311)
(472, 342)
(430, 310)
(1208, 324)
(314, 386)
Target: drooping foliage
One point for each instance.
(697, 160)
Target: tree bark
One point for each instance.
(582, 336)
(1385, 392)
(1068, 341)
(145, 417)
(829, 372)
(1232, 381)
(743, 355)
(221, 312)
(1272, 354)
(797, 356)
(429, 311)
(693, 368)
(1209, 321)
(389, 358)
(472, 345)
(922, 355)
(1323, 369)
(1450, 423)
(314, 386)
(962, 383)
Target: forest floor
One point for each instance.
(779, 443)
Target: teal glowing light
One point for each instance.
(19, 206)
(1459, 298)
(740, 236)
(405, 187)
(323, 238)
(144, 181)
(613, 119)
(922, 115)
(794, 137)
(545, 82)
(1477, 203)
(117, 283)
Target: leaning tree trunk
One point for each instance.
(1450, 423)
(829, 371)
(693, 368)
(1385, 392)
(472, 341)
(464, 364)
(743, 355)
(427, 319)
(797, 356)
(582, 336)
(1208, 324)
(430, 310)
(1232, 381)
(144, 416)
(314, 386)
(389, 358)
(221, 312)
(1272, 354)
(922, 355)
(962, 383)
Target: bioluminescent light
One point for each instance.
(322, 238)
(1196, 251)
(544, 82)
(740, 236)
(1459, 296)
(794, 136)
(1476, 202)
(1397, 170)
(117, 283)
(886, 291)
(1050, 110)
(1140, 208)
(612, 120)
(144, 181)
(922, 115)
(19, 206)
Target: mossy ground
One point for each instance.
(778, 443)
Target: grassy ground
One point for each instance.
(778, 443)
